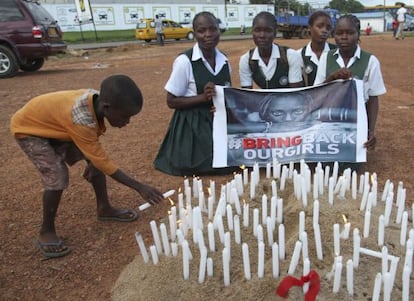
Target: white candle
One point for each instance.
(367, 220)
(174, 249)
(246, 261)
(269, 228)
(229, 217)
(279, 210)
(220, 228)
(264, 209)
(156, 236)
(350, 277)
(384, 260)
(268, 170)
(318, 241)
(255, 221)
(335, 171)
(141, 246)
(306, 270)
(385, 191)
(345, 232)
(210, 267)
(315, 186)
(260, 269)
(327, 174)
(283, 178)
(154, 255)
(364, 199)
(173, 226)
(281, 234)
(315, 212)
(406, 283)
(381, 229)
(202, 266)
(275, 260)
(337, 275)
(226, 266)
(301, 223)
(376, 254)
(337, 250)
(331, 190)
(274, 189)
(211, 241)
(186, 260)
(295, 258)
(227, 243)
(304, 240)
(387, 286)
(165, 241)
(252, 187)
(259, 233)
(239, 184)
(273, 209)
(210, 203)
(246, 215)
(408, 253)
(377, 287)
(237, 235)
(245, 176)
(403, 233)
(304, 191)
(236, 201)
(356, 248)
(354, 185)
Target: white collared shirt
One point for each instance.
(295, 71)
(181, 81)
(373, 81)
(309, 52)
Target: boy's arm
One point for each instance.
(148, 193)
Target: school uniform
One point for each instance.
(187, 148)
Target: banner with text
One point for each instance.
(324, 123)
(84, 11)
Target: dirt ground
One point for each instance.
(100, 250)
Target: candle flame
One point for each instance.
(179, 189)
(244, 202)
(372, 179)
(209, 191)
(242, 166)
(344, 218)
(179, 221)
(171, 201)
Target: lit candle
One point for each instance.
(337, 249)
(318, 241)
(381, 229)
(186, 260)
(156, 236)
(202, 266)
(403, 233)
(165, 241)
(275, 260)
(246, 215)
(350, 277)
(239, 184)
(211, 241)
(295, 258)
(246, 261)
(237, 236)
(210, 267)
(141, 246)
(260, 269)
(377, 287)
(226, 266)
(345, 232)
(281, 234)
(279, 211)
(255, 221)
(367, 220)
(337, 275)
(154, 254)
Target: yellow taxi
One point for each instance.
(145, 30)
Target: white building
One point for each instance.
(124, 14)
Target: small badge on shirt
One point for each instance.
(283, 80)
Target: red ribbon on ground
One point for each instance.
(289, 281)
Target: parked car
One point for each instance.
(28, 36)
(172, 30)
(409, 23)
(222, 26)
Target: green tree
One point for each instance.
(347, 6)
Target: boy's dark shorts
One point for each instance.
(50, 157)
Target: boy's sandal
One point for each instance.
(47, 251)
(123, 215)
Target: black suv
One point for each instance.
(28, 35)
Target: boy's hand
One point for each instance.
(343, 73)
(151, 194)
(372, 141)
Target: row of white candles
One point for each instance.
(192, 219)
